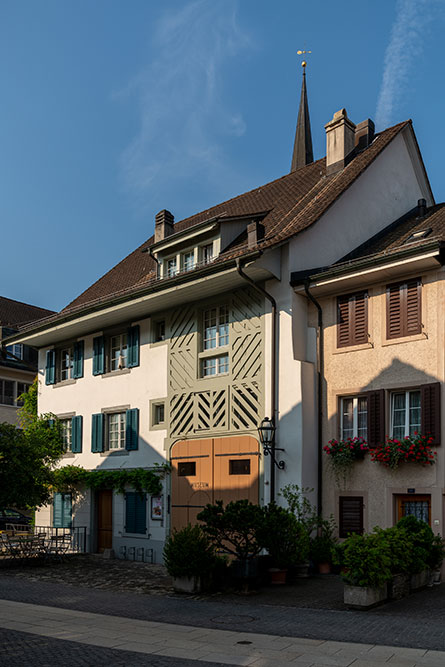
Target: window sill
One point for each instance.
(122, 371)
(158, 427)
(354, 348)
(141, 536)
(214, 352)
(115, 452)
(64, 383)
(404, 339)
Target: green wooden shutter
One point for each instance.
(62, 510)
(98, 355)
(50, 375)
(78, 359)
(133, 346)
(97, 433)
(132, 429)
(76, 434)
(57, 511)
(135, 513)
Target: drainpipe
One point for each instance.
(320, 360)
(273, 364)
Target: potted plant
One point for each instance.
(412, 449)
(285, 539)
(322, 545)
(343, 454)
(233, 530)
(366, 569)
(189, 557)
(306, 513)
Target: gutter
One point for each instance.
(320, 360)
(268, 296)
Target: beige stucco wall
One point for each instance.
(381, 364)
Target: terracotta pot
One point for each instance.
(324, 568)
(277, 576)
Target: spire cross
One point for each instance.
(304, 63)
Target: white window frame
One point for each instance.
(117, 363)
(355, 415)
(221, 320)
(221, 365)
(170, 270)
(67, 436)
(16, 349)
(185, 257)
(157, 409)
(407, 428)
(206, 250)
(65, 371)
(121, 419)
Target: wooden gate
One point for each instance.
(104, 520)
(204, 471)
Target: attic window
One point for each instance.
(416, 236)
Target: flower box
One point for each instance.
(364, 597)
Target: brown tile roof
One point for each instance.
(14, 313)
(294, 202)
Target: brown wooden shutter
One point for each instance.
(430, 401)
(352, 319)
(393, 311)
(413, 307)
(351, 515)
(376, 417)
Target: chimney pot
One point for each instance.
(364, 134)
(340, 140)
(421, 207)
(163, 225)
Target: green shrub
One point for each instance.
(283, 536)
(400, 546)
(365, 560)
(233, 529)
(422, 538)
(189, 553)
(437, 553)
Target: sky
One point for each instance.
(111, 111)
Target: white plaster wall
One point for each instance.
(385, 191)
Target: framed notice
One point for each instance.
(156, 508)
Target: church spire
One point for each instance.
(303, 153)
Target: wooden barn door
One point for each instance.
(204, 471)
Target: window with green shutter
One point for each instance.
(76, 434)
(133, 346)
(50, 371)
(135, 513)
(62, 510)
(132, 429)
(98, 355)
(78, 359)
(97, 433)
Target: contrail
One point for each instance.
(406, 43)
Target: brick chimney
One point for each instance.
(163, 225)
(364, 134)
(340, 142)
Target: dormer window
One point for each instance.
(188, 261)
(207, 253)
(171, 267)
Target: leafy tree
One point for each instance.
(234, 528)
(28, 455)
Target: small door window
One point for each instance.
(187, 469)
(418, 506)
(239, 467)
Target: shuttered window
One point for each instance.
(376, 417)
(76, 434)
(352, 319)
(351, 515)
(132, 429)
(403, 309)
(97, 433)
(62, 510)
(135, 513)
(78, 355)
(50, 371)
(430, 411)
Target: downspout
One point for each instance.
(273, 366)
(158, 263)
(320, 355)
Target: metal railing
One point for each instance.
(74, 538)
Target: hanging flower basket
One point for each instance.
(412, 449)
(343, 454)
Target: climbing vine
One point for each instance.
(70, 478)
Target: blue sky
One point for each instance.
(113, 110)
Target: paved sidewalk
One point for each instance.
(203, 644)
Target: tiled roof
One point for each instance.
(14, 313)
(294, 202)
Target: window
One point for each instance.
(171, 267)
(188, 261)
(403, 309)
(216, 327)
(62, 510)
(352, 319)
(65, 425)
(7, 392)
(207, 253)
(215, 365)
(158, 413)
(351, 515)
(187, 469)
(16, 350)
(116, 430)
(22, 388)
(159, 331)
(66, 363)
(354, 417)
(118, 352)
(239, 467)
(414, 505)
(405, 413)
(135, 513)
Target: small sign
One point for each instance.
(200, 485)
(156, 508)
(411, 490)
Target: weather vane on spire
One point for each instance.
(304, 63)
